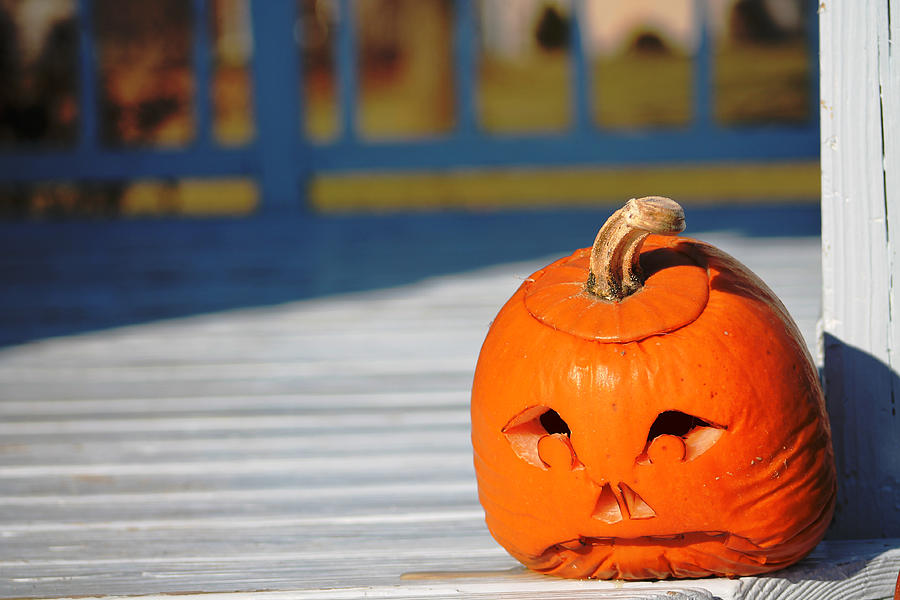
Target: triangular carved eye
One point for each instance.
(679, 437)
(525, 431)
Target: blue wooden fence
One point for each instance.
(281, 161)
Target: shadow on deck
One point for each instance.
(62, 278)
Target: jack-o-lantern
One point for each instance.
(646, 408)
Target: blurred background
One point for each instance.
(171, 157)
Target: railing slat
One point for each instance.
(347, 72)
(465, 63)
(811, 8)
(202, 66)
(277, 102)
(87, 77)
(703, 70)
(581, 72)
(612, 148)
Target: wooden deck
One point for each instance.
(315, 448)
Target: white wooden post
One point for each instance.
(860, 111)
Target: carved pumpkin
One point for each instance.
(646, 408)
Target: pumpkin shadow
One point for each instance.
(738, 286)
(861, 397)
(656, 260)
(730, 286)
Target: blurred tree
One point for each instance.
(552, 32)
(37, 74)
(752, 21)
(145, 71)
(648, 42)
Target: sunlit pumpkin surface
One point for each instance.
(680, 432)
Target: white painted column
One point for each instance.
(860, 111)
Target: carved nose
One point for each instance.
(610, 506)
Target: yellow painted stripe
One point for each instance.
(194, 197)
(487, 189)
(571, 186)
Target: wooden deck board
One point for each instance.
(313, 449)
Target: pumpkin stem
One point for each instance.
(615, 270)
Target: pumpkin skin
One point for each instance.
(680, 432)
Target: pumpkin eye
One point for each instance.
(553, 423)
(679, 437)
(539, 436)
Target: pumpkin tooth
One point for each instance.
(637, 507)
(607, 508)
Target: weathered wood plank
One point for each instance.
(255, 445)
(257, 403)
(258, 502)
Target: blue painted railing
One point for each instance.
(281, 161)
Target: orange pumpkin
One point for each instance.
(646, 408)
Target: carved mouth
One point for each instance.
(652, 556)
(730, 540)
